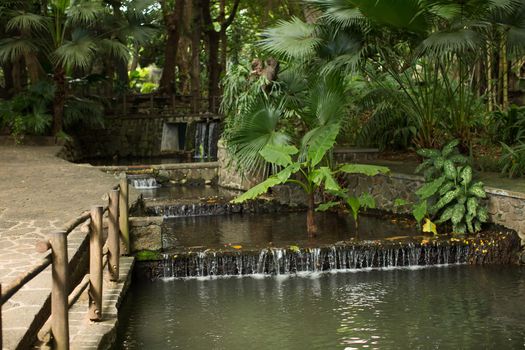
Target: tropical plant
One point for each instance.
(513, 160)
(313, 175)
(27, 112)
(429, 49)
(353, 203)
(66, 36)
(449, 193)
(508, 126)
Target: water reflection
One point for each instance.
(453, 307)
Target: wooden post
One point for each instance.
(59, 291)
(113, 235)
(95, 264)
(123, 209)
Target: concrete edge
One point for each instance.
(170, 166)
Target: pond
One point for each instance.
(279, 229)
(457, 306)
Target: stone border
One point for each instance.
(506, 208)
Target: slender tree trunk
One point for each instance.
(8, 79)
(214, 39)
(490, 83)
(195, 69)
(173, 29)
(17, 76)
(505, 73)
(311, 227)
(135, 58)
(59, 100)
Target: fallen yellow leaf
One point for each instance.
(429, 226)
(236, 246)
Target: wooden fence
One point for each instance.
(56, 329)
(165, 105)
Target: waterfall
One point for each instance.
(147, 183)
(283, 261)
(206, 138)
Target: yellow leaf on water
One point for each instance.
(236, 246)
(429, 226)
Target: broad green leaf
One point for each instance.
(466, 175)
(439, 162)
(259, 189)
(428, 153)
(326, 206)
(424, 165)
(450, 170)
(430, 188)
(449, 148)
(319, 141)
(478, 191)
(446, 188)
(420, 210)
(446, 215)
(447, 198)
(472, 204)
(365, 169)
(354, 204)
(278, 154)
(399, 202)
(367, 201)
(457, 214)
(483, 214)
(324, 174)
(430, 227)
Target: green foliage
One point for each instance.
(449, 193)
(27, 112)
(508, 126)
(441, 162)
(513, 160)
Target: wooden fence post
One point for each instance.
(113, 235)
(123, 209)
(59, 291)
(95, 264)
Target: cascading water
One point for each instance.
(145, 183)
(206, 137)
(282, 261)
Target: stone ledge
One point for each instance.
(170, 166)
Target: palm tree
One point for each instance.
(66, 37)
(429, 48)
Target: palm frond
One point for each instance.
(113, 48)
(257, 129)
(84, 13)
(291, 39)
(11, 49)
(77, 53)
(26, 22)
(83, 111)
(443, 43)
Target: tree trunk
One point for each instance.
(490, 83)
(195, 69)
(173, 29)
(17, 76)
(311, 227)
(59, 100)
(8, 79)
(214, 69)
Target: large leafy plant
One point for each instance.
(310, 173)
(449, 193)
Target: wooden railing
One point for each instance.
(56, 328)
(162, 105)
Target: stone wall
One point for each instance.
(229, 175)
(506, 208)
(133, 136)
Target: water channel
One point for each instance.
(445, 307)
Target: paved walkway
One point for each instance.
(38, 194)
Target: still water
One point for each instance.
(444, 307)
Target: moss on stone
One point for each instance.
(148, 255)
